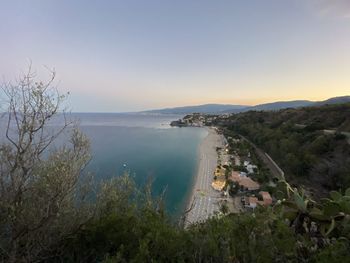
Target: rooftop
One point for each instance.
(246, 182)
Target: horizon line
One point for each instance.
(204, 104)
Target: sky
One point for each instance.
(116, 56)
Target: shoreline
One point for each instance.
(203, 197)
(191, 195)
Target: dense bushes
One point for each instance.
(291, 231)
(46, 214)
(307, 143)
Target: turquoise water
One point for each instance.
(143, 145)
(146, 147)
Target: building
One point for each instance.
(252, 202)
(244, 182)
(250, 168)
(243, 174)
(267, 199)
(220, 181)
(218, 184)
(235, 176)
(248, 184)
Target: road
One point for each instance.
(275, 170)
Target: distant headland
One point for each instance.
(230, 108)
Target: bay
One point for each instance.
(146, 147)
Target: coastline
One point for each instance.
(190, 197)
(203, 199)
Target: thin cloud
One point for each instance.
(332, 8)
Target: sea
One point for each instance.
(147, 148)
(144, 146)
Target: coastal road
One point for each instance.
(275, 170)
(205, 199)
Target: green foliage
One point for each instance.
(43, 198)
(234, 187)
(296, 229)
(336, 252)
(329, 218)
(224, 208)
(309, 144)
(45, 216)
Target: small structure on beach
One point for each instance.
(219, 181)
(218, 184)
(219, 172)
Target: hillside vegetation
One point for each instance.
(310, 144)
(47, 213)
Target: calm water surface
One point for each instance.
(145, 146)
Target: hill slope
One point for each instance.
(335, 100)
(230, 108)
(205, 108)
(310, 144)
(279, 105)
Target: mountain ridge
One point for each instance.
(213, 108)
(203, 108)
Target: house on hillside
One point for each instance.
(250, 168)
(248, 184)
(253, 202)
(243, 174)
(244, 182)
(235, 176)
(267, 199)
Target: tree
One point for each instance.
(234, 186)
(224, 208)
(41, 198)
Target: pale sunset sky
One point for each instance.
(115, 56)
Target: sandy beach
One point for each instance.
(204, 200)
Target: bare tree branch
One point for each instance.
(39, 188)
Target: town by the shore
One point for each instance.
(227, 175)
